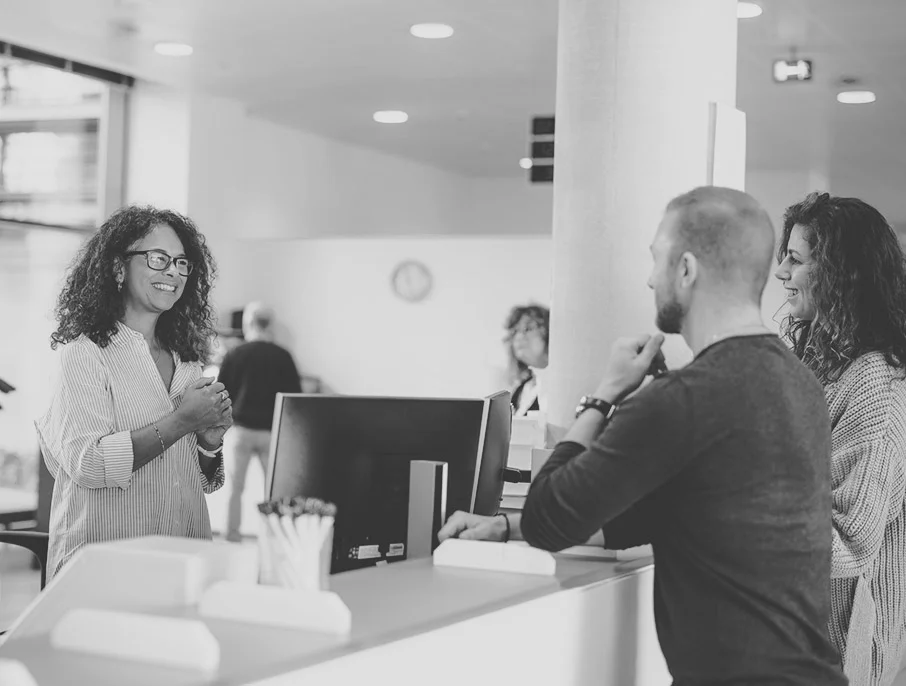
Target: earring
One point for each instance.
(119, 284)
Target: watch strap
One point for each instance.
(589, 402)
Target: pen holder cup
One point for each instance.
(292, 563)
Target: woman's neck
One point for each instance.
(145, 323)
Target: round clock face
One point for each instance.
(411, 280)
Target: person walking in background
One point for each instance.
(253, 373)
(527, 340)
(133, 433)
(845, 276)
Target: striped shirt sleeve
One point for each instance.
(78, 433)
(209, 485)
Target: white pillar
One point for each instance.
(634, 83)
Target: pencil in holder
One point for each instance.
(296, 542)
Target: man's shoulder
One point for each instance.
(248, 349)
(750, 361)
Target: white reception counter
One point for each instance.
(412, 623)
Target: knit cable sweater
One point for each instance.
(868, 585)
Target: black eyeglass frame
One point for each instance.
(170, 260)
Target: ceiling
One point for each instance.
(326, 65)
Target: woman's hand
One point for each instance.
(212, 437)
(206, 405)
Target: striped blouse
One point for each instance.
(102, 395)
(868, 475)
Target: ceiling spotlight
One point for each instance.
(391, 117)
(856, 97)
(431, 30)
(173, 49)
(748, 10)
(526, 163)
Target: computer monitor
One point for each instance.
(355, 451)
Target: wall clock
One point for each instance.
(411, 280)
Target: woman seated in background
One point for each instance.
(527, 339)
(843, 269)
(133, 433)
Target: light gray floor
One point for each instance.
(900, 680)
(19, 583)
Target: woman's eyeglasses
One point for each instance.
(526, 329)
(159, 261)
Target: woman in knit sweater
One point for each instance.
(845, 276)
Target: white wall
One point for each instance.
(157, 148)
(346, 325)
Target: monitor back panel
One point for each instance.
(355, 452)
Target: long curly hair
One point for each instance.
(517, 369)
(91, 303)
(857, 282)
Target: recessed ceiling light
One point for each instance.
(526, 163)
(391, 117)
(748, 10)
(173, 49)
(431, 30)
(856, 97)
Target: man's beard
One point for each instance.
(670, 316)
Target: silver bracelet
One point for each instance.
(163, 448)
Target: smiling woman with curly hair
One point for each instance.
(134, 325)
(92, 302)
(845, 275)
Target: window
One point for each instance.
(61, 150)
(56, 145)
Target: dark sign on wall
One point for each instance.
(542, 150)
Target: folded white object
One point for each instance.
(321, 611)
(607, 554)
(496, 557)
(165, 641)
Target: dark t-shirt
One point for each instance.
(254, 373)
(724, 467)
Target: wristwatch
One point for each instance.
(590, 403)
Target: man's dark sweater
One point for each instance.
(724, 467)
(253, 373)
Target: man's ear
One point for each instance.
(688, 269)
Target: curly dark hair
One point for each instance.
(91, 303)
(858, 285)
(537, 313)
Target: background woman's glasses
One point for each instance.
(526, 329)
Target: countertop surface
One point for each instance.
(388, 603)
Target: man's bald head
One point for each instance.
(730, 235)
(257, 319)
